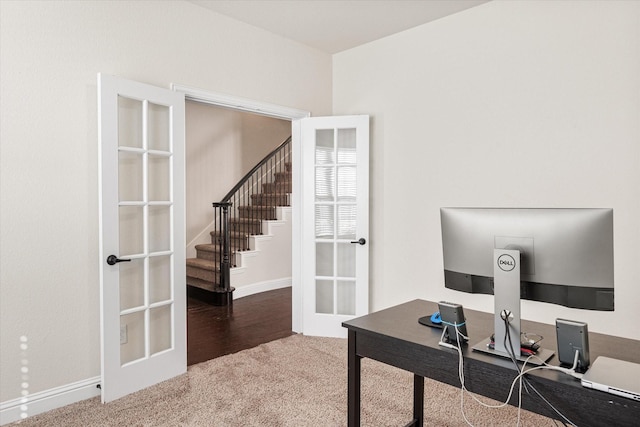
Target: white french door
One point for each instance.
(142, 244)
(335, 222)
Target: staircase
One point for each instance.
(248, 207)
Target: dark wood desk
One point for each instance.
(394, 336)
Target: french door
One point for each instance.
(142, 229)
(335, 222)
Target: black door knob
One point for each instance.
(113, 260)
(360, 241)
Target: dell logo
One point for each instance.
(506, 262)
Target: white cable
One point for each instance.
(519, 377)
(442, 340)
(522, 373)
(461, 374)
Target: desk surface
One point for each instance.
(395, 337)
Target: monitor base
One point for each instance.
(541, 356)
(426, 321)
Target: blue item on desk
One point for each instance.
(435, 318)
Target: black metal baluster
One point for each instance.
(217, 259)
(249, 214)
(225, 266)
(270, 175)
(239, 225)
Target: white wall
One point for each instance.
(222, 145)
(267, 265)
(508, 104)
(50, 53)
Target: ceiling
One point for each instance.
(333, 26)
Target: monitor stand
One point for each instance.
(541, 357)
(506, 273)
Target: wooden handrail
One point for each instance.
(254, 169)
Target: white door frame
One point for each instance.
(284, 113)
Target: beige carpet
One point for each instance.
(295, 381)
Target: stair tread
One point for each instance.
(252, 220)
(256, 207)
(202, 263)
(232, 234)
(244, 220)
(278, 193)
(210, 247)
(277, 187)
(270, 199)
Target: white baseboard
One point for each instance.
(37, 403)
(256, 288)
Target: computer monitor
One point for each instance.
(559, 256)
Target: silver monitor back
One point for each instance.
(567, 254)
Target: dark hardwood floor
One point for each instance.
(214, 331)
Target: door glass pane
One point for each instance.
(133, 328)
(129, 122)
(324, 296)
(347, 259)
(347, 222)
(325, 154)
(158, 127)
(347, 146)
(131, 219)
(129, 176)
(160, 329)
(159, 175)
(346, 297)
(159, 228)
(131, 283)
(324, 222)
(159, 278)
(324, 259)
(347, 183)
(325, 184)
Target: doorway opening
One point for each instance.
(221, 145)
(294, 116)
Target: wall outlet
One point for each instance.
(123, 334)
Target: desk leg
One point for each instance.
(353, 382)
(418, 400)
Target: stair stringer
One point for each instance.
(267, 266)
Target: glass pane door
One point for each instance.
(335, 205)
(335, 220)
(143, 316)
(145, 211)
